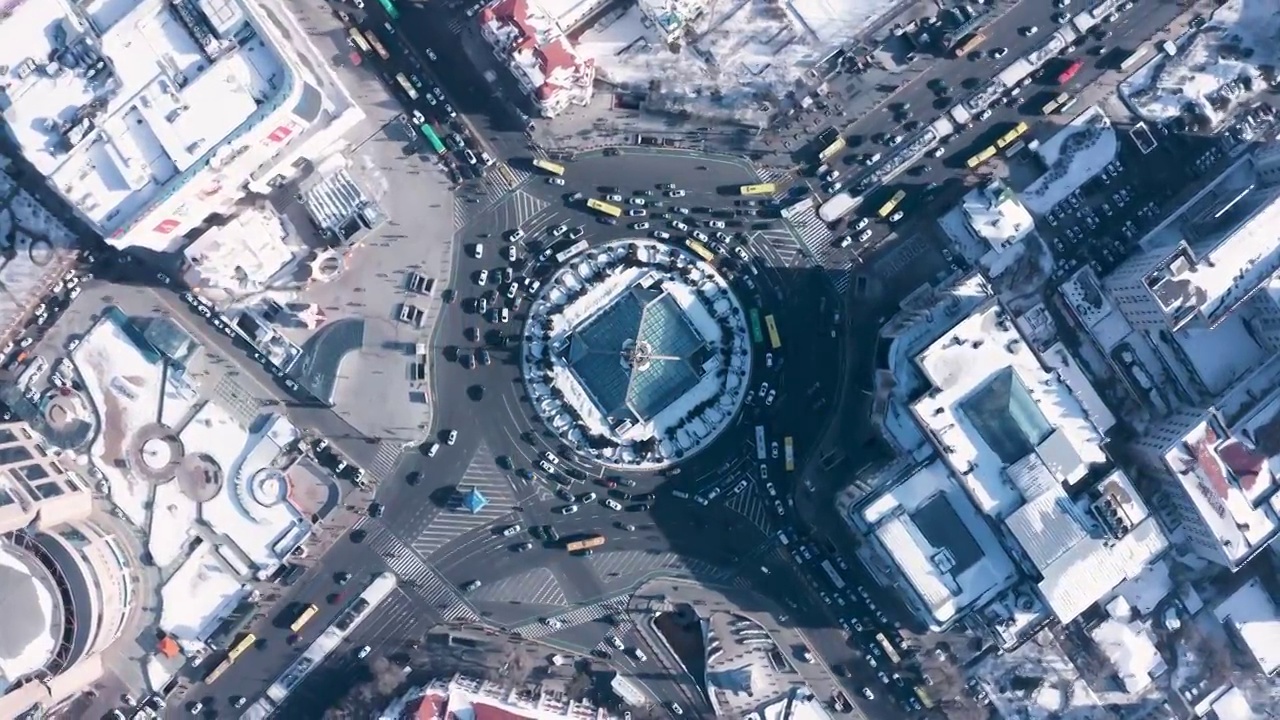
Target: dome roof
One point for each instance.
(26, 639)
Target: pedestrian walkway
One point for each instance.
(384, 461)
(757, 510)
(782, 243)
(814, 233)
(533, 587)
(777, 176)
(523, 207)
(454, 520)
(572, 618)
(626, 565)
(417, 579)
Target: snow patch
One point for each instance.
(1075, 154)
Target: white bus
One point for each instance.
(831, 573)
(761, 451)
(571, 251)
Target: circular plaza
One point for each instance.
(636, 354)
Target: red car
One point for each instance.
(608, 483)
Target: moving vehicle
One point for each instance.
(304, 617)
(969, 43)
(604, 208)
(585, 543)
(887, 209)
(547, 165)
(1066, 75)
(758, 189)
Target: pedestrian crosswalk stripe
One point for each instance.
(750, 505)
(385, 460)
(419, 579)
(572, 618)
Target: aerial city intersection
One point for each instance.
(543, 359)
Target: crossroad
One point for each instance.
(627, 565)
(455, 519)
(417, 579)
(756, 509)
(385, 460)
(493, 186)
(533, 587)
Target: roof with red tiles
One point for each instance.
(555, 57)
(1209, 462)
(1244, 463)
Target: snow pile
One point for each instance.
(1215, 70)
(1077, 153)
(198, 595)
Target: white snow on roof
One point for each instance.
(1217, 493)
(1081, 562)
(161, 106)
(967, 359)
(946, 595)
(1146, 591)
(1233, 705)
(1252, 613)
(40, 650)
(995, 214)
(242, 255)
(1077, 152)
(1206, 72)
(1203, 349)
(733, 58)
(1059, 360)
(173, 516)
(198, 595)
(1132, 653)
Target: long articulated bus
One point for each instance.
(830, 570)
(969, 44)
(377, 45)
(760, 189)
(762, 452)
(572, 251)
(887, 209)
(603, 207)
(407, 86)
(789, 453)
(770, 325)
(553, 168)
(304, 617)
(233, 654)
(358, 41)
(390, 8)
(981, 157)
(1008, 138)
(432, 138)
(585, 543)
(1134, 57)
(757, 335)
(701, 250)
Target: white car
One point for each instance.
(512, 530)
(636, 200)
(510, 253)
(640, 225)
(771, 489)
(999, 52)
(616, 642)
(984, 114)
(516, 235)
(613, 198)
(831, 176)
(636, 212)
(555, 181)
(451, 438)
(862, 222)
(477, 251)
(568, 510)
(660, 235)
(779, 508)
(773, 449)
(559, 230)
(504, 315)
(512, 289)
(865, 236)
(482, 278)
(588, 498)
(718, 224)
(612, 504)
(1029, 31)
(364, 652)
(764, 471)
(418, 118)
(680, 226)
(768, 360)
(699, 235)
(937, 152)
(896, 216)
(675, 193)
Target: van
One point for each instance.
(782, 538)
(680, 494)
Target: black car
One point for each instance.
(376, 509)
(343, 578)
(484, 357)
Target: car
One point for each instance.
(239, 701)
(779, 508)
(432, 449)
(865, 236)
(577, 232)
(511, 530)
(660, 235)
(699, 235)
(985, 114)
(523, 547)
(636, 200)
(679, 226)
(894, 140)
(638, 654)
(482, 277)
(612, 504)
(471, 585)
(768, 400)
(644, 225)
(376, 509)
(555, 181)
(1060, 18)
(451, 438)
(675, 708)
(509, 252)
(636, 212)
(364, 652)
(866, 693)
(719, 224)
(567, 509)
(896, 216)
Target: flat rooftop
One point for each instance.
(1252, 612)
(994, 405)
(941, 545)
(130, 107)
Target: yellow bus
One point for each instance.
(761, 189)
(406, 86)
(981, 157)
(604, 207)
(701, 250)
(1007, 139)
(377, 45)
(969, 44)
(549, 166)
(887, 209)
(925, 700)
(235, 652)
(889, 649)
(789, 453)
(358, 40)
(304, 617)
(831, 149)
(772, 328)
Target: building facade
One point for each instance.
(546, 65)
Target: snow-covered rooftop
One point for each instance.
(117, 121)
(995, 214)
(242, 255)
(1076, 153)
(1215, 70)
(1086, 549)
(1218, 474)
(1251, 612)
(466, 697)
(28, 641)
(941, 545)
(199, 595)
(538, 51)
(994, 405)
(1132, 652)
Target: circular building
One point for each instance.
(637, 354)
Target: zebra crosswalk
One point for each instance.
(577, 616)
(818, 243)
(385, 460)
(456, 519)
(418, 579)
(756, 509)
(777, 176)
(480, 195)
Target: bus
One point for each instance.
(604, 207)
(390, 9)
(969, 44)
(358, 41)
(887, 209)
(549, 166)
(789, 453)
(832, 149)
(304, 617)
(761, 189)
(1067, 105)
(377, 45)
(571, 251)
(1066, 75)
(701, 250)
(889, 649)
(925, 700)
(762, 452)
(1006, 139)
(757, 335)
(1134, 57)
(407, 86)
(585, 543)
(774, 341)
(831, 573)
(233, 654)
(794, 210)
(432, 138)
(981, 157)
(1052, 105)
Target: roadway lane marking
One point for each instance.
(577, 616)
(751, 506)
(626, 565)
(533, 587)
(418, 579)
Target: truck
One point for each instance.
(960, 115)
(585, 543)
(838, 205)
